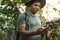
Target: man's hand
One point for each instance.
(43, 30)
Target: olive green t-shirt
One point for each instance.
(34, 24)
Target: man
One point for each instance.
(32, 30)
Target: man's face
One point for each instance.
(35, 7)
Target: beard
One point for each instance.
(34, 11)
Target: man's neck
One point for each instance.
(32, 13)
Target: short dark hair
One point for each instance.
(43, 2)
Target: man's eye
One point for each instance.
(36, 5)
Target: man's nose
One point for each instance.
(38, 7)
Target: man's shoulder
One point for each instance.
(22, 15)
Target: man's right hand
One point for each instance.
(43, 30)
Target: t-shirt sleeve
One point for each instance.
(21, 19)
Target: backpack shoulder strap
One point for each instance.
(27, 21)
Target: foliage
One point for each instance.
(8, 15)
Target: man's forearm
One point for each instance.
(29, 33)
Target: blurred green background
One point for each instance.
(10, 9)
